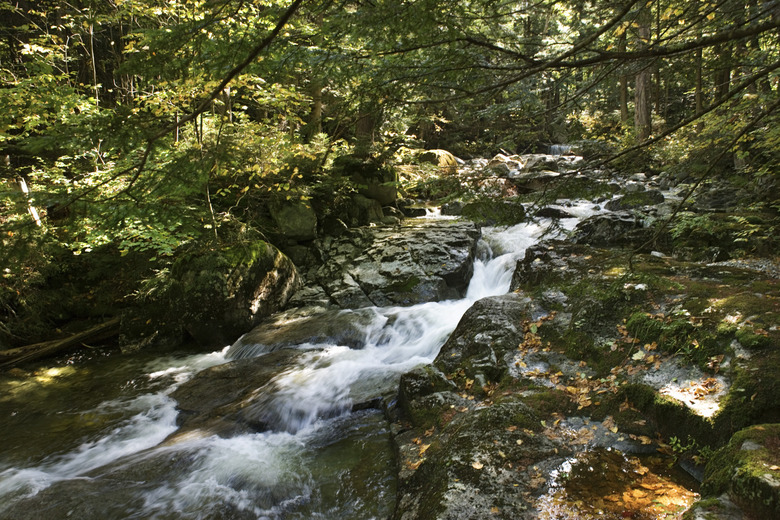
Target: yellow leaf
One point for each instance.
(477, 465)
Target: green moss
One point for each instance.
(741, 466)
(670, 417)
(695, 342)
(490, 211)
(752, 341)
(753, 397)
(405, 286)
(547, 402)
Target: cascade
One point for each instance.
(560, 149)
(318, 460)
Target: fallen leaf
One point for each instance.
(477, 465)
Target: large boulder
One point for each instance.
(216, 399)
(748, 469)
(441, 158)
(375, 180)
(494, 212)
(364, 210)
(297, 327)
(295, 220)
(218, 295)
(635, 200)
(425, 260)
(611, 229)
(477, 463)
(487, 332)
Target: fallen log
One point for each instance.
(35, 351)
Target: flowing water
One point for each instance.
(92, 438)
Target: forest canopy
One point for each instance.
(142, 127)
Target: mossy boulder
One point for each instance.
(635, 200)
(487, 332)
(478, 464)
(374, 179)
(612, 229)
(218, 294)
(754, 395)
(494, 212)
(748, 468)
(295, 220)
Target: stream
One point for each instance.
(91, 437)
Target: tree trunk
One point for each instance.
(623, 100)
(314, 126)
(642, 116)
(48, 348)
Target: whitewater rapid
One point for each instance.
(289, 472)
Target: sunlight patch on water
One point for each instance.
(607, 485)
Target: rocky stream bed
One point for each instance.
(530, 365)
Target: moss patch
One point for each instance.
(746, 468)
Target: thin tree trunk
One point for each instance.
(623, 88)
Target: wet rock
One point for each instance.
(419, 383)
(550, 262)
(540, 162)
(218, 295)
(492, 212)
(290, 328)
(454, 208)
(488, 331)
(364, 210)
(553, 212)
(719, 508)
(478, 463)
(413, 212)
(535, 180)
(213, 400)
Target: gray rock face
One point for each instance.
(610, 229)
(422, 261)
(480, 466)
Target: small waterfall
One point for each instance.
(318, 460)
(560, 149)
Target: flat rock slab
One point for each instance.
(422, 260)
